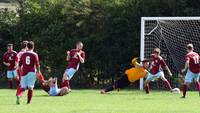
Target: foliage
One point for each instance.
(110, 30)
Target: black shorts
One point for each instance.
(122, 82)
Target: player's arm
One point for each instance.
(20, 65)
(37, 64)
(38, 69)
(168, 70)
(186, 66)
(16, 62)
(81, 57)
(16, 65)
(163, 64)
(56, 81)
(4, 61)
(68, 56)
(135, 63)
(6, 64)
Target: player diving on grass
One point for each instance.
(192, 66)
(130, 75)
(156, 65)
(51, 87)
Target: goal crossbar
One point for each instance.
(170, 18)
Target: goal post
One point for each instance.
(171, 35)
(142, 49)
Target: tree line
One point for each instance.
(109, 29)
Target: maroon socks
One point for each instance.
(147, 89)
(167, 85)
(65, 84)
(30, 95)
(10, 83)
(185, 88)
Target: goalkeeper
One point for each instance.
(131, 75)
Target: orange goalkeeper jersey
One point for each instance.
(135, 74)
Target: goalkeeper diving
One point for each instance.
(130, 75)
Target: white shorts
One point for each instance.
(28, 81)
(190, 76)
(54, 92)
(70, 72)
(11, 74)
(155, 76)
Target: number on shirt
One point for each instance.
(10, 58)
(28, 61)
(75, 56)
(196, 59)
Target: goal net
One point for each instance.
(171, 35)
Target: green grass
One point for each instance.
(90, 101)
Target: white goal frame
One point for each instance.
(142, 38)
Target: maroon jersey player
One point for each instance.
(74, 58)
(192, 66)
(156, 70)
(19, 54)
(10, 60)
(29, 63)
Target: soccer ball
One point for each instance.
(176, 90)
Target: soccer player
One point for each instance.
(131, 75)
(23, 50)
(157, 63)
(19, 54)
(52, 89)
(29, 63)
(193, 69)
(11, 61)
(74, 58)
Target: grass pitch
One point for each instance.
(90, 101)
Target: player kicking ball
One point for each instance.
(157, 63)
(10, 60)
(52, 89)
(130, 76)
(74, 58)
(193, 69)
(29, 63)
